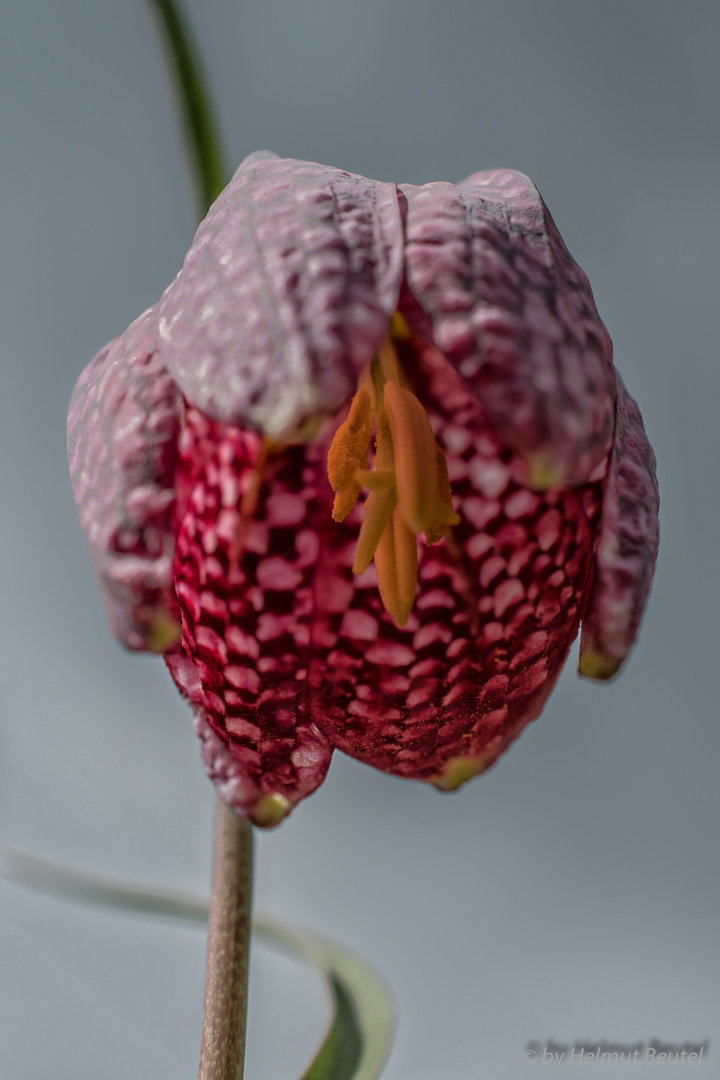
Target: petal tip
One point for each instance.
(598, 666)
(270, 809)
(458, 771)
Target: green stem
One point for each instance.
(222, 1053)
(202, 137)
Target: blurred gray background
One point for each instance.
(572, 893)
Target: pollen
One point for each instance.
(349, 453)
(407, 483)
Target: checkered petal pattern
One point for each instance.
(627, 547)
(502, 298)
(198, 445)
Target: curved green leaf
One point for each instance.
(357, 1039)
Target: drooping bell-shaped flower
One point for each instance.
(361, 473)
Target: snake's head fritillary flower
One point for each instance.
(361, 473)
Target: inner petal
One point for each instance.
(497, 605)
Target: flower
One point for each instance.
(314, 309)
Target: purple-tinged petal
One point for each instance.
(285, 294)
(515, 315)
(123, 426)
(245, 559)
(497, 607)
(627, 547)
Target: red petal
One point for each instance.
(496, 611)
(243, 575)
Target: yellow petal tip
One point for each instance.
(270, 809)
(596, 665)
(457, 772)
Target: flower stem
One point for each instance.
(222, 1053)
(202, 139)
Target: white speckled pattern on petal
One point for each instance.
(285, 294)
(505, 302)
(123, 428)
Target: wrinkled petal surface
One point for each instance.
(123, 427)
(285, 294)
(245, 561)
(502, 298)
(627, 548)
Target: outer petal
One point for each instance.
(123, 427)
(243, 571)
(496, 610)
(512, 311)
(285, 294)
(627, 547)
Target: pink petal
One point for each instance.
(627, 547)
(285, 294)
(123, 427)
(245, 560)
(507, 305)
(496, 611)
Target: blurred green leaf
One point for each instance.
(357, 1039)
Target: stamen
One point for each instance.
(389, 364)
(446, 516)
(417, 463)
(375, 479)
(396, 563)
(349, 452)
(345, 500)
(377, 514)
(409, 488)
